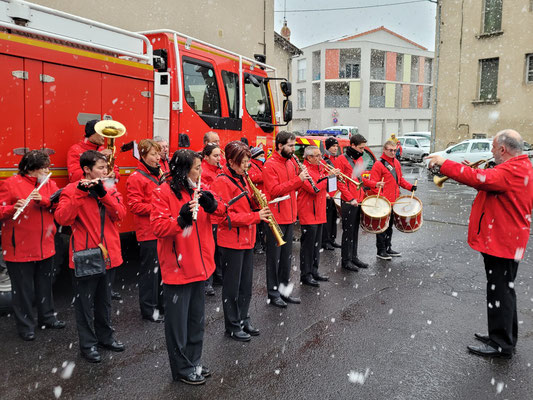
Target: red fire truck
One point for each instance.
(58, 71)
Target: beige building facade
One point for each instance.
(484, 74)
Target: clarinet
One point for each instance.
(196, 195)
(310, 180)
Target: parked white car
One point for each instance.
(470, 150)
(414, 148)
(427, 135)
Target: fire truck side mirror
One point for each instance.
(287, 111)
(160, 60)
(286, 88)
(183, 140)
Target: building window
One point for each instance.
(315, 96)
(301, 99)
(492, 16)
(302, 70)
(377, 64)
(529, 68)
(488, 79)
(337, 95)
(349, 63)
(428, 70)
(377, 95)
(414, 69)
(316, 65)
(399, 67)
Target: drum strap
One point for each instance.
(391, 169)
(352, 164)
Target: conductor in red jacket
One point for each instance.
(312, 216)
(185, 248)
(140, 186)
(81, 207)
(389, 169)
(281, 177)
(498, 228)
(236, 238)
(28, 243)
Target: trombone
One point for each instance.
(439, 180)
(343, 177)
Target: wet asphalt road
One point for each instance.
(398, 330)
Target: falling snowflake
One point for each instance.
(358, 377)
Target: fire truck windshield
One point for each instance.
(257, 101)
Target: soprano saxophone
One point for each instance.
(272, 224)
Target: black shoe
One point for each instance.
(239, 336)
(336, 245)
(57, 324)
(309, 281)
(328, 246)
(277, 302)
(160, 318)
(359, 263)
(393, 253)
(206, 372)
(292, 300)
(115, 346)
(259, 251)
(209, 291)
(383, 255)
(92, 355)
(192, 379)
(482, 338)
(249, 329)
(350, 266)
(115, 295)
(321, 278)
(28, 336)
(488, 351)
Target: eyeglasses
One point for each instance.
(389, 150)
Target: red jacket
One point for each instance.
(311, 205)
(501, 213)
(185, 255)
(163, 163)
(331, 160)
(209, 173)
(348, 190)
(256, 173)
(31, 236)
(391, 190)
(243, 219)
(79, 210)
(280, 177)
(139, 189)
(75, 172)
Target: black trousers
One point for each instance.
(351, 216)
(150, 288)
(31, 282)
(92, 305)
(501, 302)
(184, 326)
(311, 242)
(236, 287)
(217, 275)
(278, 260)
(260, 234)
(329, 231)
(384, 239)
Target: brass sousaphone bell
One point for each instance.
(111, 130)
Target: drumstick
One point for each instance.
(413, 192)
(379, 191)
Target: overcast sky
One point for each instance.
(414, 20)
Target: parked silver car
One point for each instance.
(414, 148)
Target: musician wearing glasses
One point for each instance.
(181, 220)
(389, 170)
(28, 229)
(351, 165)
(281, 177)
(498, 228)
(236, 238)
(329, 230)
(312, 216)
(140, 186)
(92, 211)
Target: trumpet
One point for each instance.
(343, 177)
(302, 167)
(439, 180)
(28, 199)
(272, 224)
(110, 130)
(196, 196)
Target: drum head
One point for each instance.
(376, 207)
(407, 206)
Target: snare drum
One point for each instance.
(407, 214)
(375, 213)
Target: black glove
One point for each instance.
(99, 189)
(185, 217)
(83, 187)
(207, 201)
(413, 188)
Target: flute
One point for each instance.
(302, 168)
(28, 199)
(196, 195)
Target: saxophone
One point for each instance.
(272, 224)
